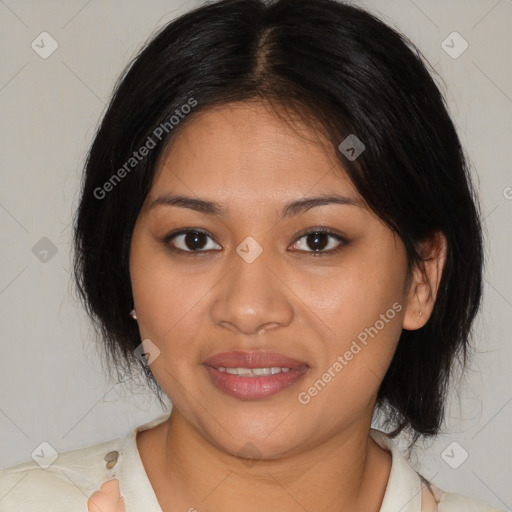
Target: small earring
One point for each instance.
(133, 314)
(417, 318)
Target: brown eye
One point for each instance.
(320, 242)
(190, 241)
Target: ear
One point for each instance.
(423, 283)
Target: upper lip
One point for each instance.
(241, 359)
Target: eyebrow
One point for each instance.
(213, 208)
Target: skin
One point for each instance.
(317, 456)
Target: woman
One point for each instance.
(277, 224)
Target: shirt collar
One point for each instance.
(134, 483)
(403, 490)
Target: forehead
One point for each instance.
(243, 151)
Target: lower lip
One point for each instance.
(254, 388)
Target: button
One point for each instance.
(111, 459)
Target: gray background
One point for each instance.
(52, 382)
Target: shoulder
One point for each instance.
(64, 484)
(452, 502)
(405, 481)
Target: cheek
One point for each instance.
(351, 298)
(172, 309)
(359, 310)
(168, 294)
(353, 361)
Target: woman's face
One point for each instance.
(256, 282)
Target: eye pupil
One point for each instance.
(314, 241)
(195, 240)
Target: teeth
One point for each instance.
(253, 372)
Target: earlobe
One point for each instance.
(424, 283)
(419, 306)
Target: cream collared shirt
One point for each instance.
(68, 483)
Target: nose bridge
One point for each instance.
(251, 295)
(250, 271)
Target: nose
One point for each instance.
(252, 297)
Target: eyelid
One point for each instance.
(322, 229)
(342, 239)
(184, 231)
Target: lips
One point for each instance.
(240, 359)
(254, 387)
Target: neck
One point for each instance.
(348, 471)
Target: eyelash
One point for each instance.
(343, 242)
